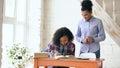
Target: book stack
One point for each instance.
(41, 55)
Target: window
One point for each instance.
(21, 25)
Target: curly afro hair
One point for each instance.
(60, 33)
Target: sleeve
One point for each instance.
(78, 34)
(101, 34)
(51, 49)
(72, 48)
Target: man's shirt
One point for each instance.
(93, 28)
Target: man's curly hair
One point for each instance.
(63, 31)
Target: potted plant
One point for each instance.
(19, 56)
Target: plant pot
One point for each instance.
(20, 66)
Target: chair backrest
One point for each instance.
(87, 55)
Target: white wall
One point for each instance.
(110, 51)
(1, 20)
(58, 13)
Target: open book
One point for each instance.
(64, 57)
(87, 56)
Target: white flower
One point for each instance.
(19, 55)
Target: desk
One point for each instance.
(77, 63)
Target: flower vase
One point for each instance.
(20, 66)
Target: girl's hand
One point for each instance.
(57, 54)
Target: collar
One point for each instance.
(89, 19)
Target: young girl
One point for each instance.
(62, 43)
